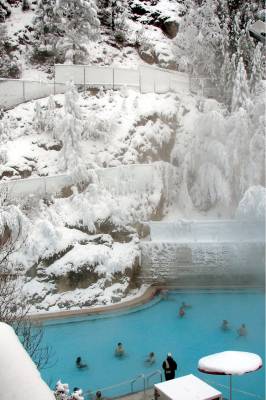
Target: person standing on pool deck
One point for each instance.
(169, 366)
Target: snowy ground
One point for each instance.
(121, 132)
(141, 33)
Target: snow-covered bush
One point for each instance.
(98, 127)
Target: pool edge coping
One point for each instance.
(144, 298)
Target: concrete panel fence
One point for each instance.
(120, 181)
(17, 91)
(145, 79)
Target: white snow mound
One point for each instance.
(17, 367)
(230, 363)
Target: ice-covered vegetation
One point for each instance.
(82, 246)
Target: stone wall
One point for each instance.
(202, 263)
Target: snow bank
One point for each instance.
(230, 363)
(19, 377)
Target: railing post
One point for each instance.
(84, 76)
(23, 89)
(54, 78)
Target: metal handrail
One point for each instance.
(141, 376)
(157, 372)
(249, 394)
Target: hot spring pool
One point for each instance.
(157, 327)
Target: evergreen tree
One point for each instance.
(256, 74)
(9, 67)
(227, 78)
(5, 10)
(25, 5)
(80, 24)
(46, 27)
(241, 94)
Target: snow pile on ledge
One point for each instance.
(230, 363)
(19, 376)
(105, 259)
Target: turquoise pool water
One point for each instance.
(157, 327)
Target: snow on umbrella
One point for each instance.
(230, 363)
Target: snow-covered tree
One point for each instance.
(120, 14)
(9, 67)
(38, 118)
(5, 10)
(80, 24)
(47, 28)
(71, 137)
(207, 163)
(201, 42)
(25, 5)
(5, 131)
(256, 73)
(241, 94)
(227, 78)
(50, 117)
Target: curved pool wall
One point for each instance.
(157, 327)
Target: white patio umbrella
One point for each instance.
(230, 363)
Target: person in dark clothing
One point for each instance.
(169, 366)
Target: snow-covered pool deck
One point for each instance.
(149, 293)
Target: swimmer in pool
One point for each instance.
(80, 364)
(242, 331)
(184, 305)
(181, 312)
(225, 325)
(119, 350)
(151, 358)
